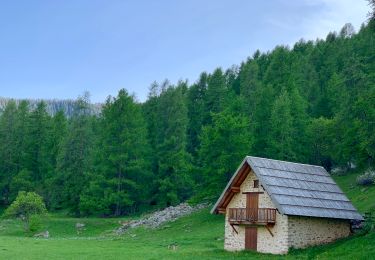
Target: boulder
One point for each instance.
(44, 234)
(80, 225)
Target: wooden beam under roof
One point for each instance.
(235, 189)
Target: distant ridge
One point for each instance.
(53, 105)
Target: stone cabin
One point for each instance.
(271, 206)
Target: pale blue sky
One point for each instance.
(58, 49)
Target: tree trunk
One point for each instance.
(118, 204)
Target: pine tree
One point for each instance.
(261, 120)
(120, 182)
(74, 160)
(319, 135)
(196, 113)
(217, 94)
(224, 144)
(174, 180)
(249, 86)
(38, 160)
(8, 153)
(281, 135)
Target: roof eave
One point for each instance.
(214, 209)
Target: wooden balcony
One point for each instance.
(249, 216)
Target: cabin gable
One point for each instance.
(274, 238)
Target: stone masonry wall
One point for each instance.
(277, 244)
(308, 231)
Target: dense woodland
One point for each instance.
(311, 103)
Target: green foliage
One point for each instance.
(121, 165)
(319, 135)
(73, 160)
(35, 223)
(223, 145)
(281, 136)
(27, 206)
(173, 182)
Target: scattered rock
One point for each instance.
(80, 225)
(44, 234)
(173, 247)
(160, 217)
(356, 225)
(338, 170)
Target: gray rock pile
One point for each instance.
(44, 234)
(160, 217)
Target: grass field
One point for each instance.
(198, 236)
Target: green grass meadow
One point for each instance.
(198, 236)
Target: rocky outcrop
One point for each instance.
(68, 106)
(160, 217)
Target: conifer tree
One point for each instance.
(119, 183)
(281, 135)
(217, 94)
(224, 144)
(8, 153)
(74, 159)
(173, 181)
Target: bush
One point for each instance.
(35, 223)
(27, 206)
(368, 178)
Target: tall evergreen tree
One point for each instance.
(224, 144)
(281, 135)
(173, 181)
(119, 183)
(74, 161)
(217, 94)
(38, 160)
(196, 113)
(8, 153)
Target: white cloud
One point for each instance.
(334, 14)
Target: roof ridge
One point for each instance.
(249, 156)
(299, 196)
(328, 191)
(294, 171)
(303, 188)
(279, 177)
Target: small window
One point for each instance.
(256, 183)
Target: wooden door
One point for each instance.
(251, 235)
(252, 202)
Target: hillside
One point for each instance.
(309, 103)
(199, 235)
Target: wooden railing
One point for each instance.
(252, 216)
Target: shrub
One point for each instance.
(368, 178)
(27, 206)
(35, 223)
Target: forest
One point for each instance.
(312, 103)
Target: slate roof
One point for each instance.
(298, 189)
